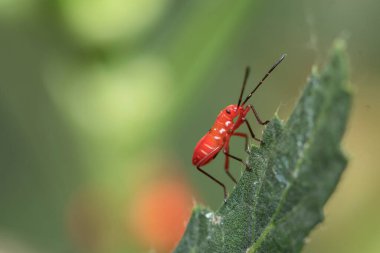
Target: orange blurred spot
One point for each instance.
(160, 212)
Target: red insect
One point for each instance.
(228, 120)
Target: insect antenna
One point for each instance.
(265, 77)
(244, 83)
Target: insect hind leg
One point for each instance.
(216, 181)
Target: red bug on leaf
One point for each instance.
(228, 120)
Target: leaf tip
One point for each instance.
(272, 130)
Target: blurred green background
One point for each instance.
(103, 101)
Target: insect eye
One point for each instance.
(228, 111)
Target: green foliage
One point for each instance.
(274, 207)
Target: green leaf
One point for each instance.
(274, 207)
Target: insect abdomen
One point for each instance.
(206, 149)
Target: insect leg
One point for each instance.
(216, 181)
(226, 163)
(252, 134)
(245, 136)
(237, 159)
(257, 116)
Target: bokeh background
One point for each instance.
(103, 101)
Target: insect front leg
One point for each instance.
(257, 116)
(250, 130)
